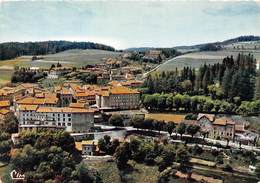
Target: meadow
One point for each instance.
(197, 59)
(74, 57)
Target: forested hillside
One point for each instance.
(235, 77)
(11, 50)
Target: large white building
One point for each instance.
(71, 119)
(118, 97)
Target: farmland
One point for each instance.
(197, 59)
(166, 117)
(77, 57)
(68, 58)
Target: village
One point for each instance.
(111, 108)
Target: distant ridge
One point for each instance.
(245, 38)
(12, 50)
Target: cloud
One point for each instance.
(234, 9)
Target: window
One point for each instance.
(63, 124)
(69, 119)
(58, 124)
(69, 124)
(69, 115)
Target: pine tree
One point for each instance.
(257, 89)
(205, 81)
(226, 82)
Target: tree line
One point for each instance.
(165, 53)
(198, 103)
(26, 75)
(151, 124)
(12, 50)
(229, 80)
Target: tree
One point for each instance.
(182, 157)
(137, 121)
(158, 125)
(181, 128)
(206, 81)
(257, 169)
(257, 89)
(167, 157)
(83, 174)
(227, 167)
(226, 82)
(122, 155)
(9, 124)
(169, 102)
(161, 102)
(170, 127)
(193, 129)
(177, 101)
(102, 145)
(116, 120)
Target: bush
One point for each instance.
(191, 116)
(228, 167)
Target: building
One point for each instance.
(47, 101)
(87, 147)
(205, 121)
(4, 113)
(5, 104)
(56, 72)
(217, 128)
(64, 95)
(71, 119)
(129, 83)
(118, 97)
(223, 128)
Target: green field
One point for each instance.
(74, 57)
(67, 58)
(197, 59)
(137, 173)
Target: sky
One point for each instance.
(124, 24)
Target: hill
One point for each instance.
(12, 50)
(75, 57)
(214, 46)
(197, 59)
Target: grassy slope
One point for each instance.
(197, 59)
(77, 57)
(68, 58)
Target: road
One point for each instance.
(154, 69)
(222, 142)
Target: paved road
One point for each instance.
(222, 142)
